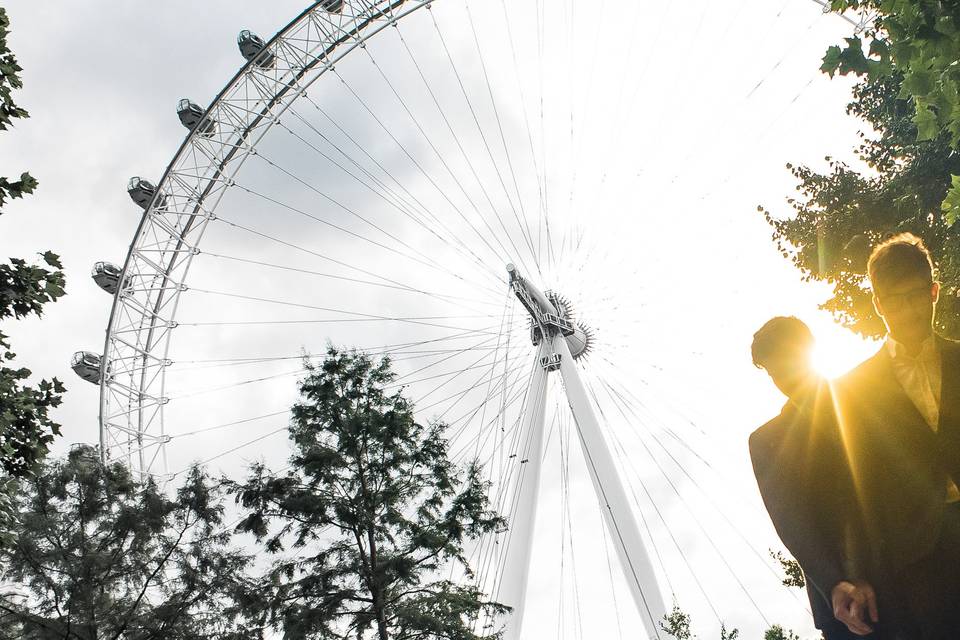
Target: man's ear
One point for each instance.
(876, 305)
(935, 292)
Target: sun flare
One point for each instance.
(839, 350)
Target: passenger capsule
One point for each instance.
(86, 364)
(333, 6)
(142, 191)
(107, 276)
(191, 116)
(252, 48)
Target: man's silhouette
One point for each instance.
(799, 466)
(899, 415)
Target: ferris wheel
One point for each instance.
(418, 179)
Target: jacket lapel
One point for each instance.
(949, 425)
(892, 400)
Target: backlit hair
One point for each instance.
(902, 257)
(779, 334)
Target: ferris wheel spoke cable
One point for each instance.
(354, 234)
(507, 313)
(760, 83)
(333, 260)
(423, 257)
(241, 383)
(484, 432)
(619, 451)
(239, 362)
(379, 350)
(604, 532)
(720, 185)
(565, 515)
(260, 417)
(659, 393)
(588, 94)
(517, 471)
(541, 211)
(666, 105)
(233, 450)
(243, 323)
(691, 512)
(523, 222)
(510, 470)
(383, 192)
(626, 461)
(541, 44)
(625, 408)
(465, 155)
(505, 386)
(453, 375)
(460, 393)
(624, 393)
(446, 357)
(537, 253)
(400, 185)
(500, 255)
(301, 305)
(615, 140)
(453, 133)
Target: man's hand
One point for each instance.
(852, 603)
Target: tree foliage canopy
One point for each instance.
(838, 215)
(918, 42)
(371, 510)
(9, 110)
(100, 556)
(26, 428)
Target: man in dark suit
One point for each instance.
(899, 416)
(798, 462)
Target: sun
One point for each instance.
(838, 350)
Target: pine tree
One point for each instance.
(101, 556)
(371, 509)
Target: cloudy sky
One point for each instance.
(643, 134)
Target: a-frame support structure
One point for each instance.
(559, 342)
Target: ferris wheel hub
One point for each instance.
(551, 315)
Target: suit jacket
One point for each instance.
(899, 464)
(803, 479)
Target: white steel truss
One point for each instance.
(142, 319)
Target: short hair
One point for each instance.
(778, 335)
(899, 258)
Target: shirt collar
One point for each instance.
(928, 348)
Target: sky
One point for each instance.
(644, 134)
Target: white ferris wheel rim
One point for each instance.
(185, 201)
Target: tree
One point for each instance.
(26, 429)
(776, 632)
(677, 624)
(793, 574)
(839, 215)
(101, 556)
(918, 41)
(371, 509)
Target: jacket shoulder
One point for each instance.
(766, 435)
(863, 372)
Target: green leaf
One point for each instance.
(831, 61)
(926, 121)
(951, 204)
(946, 26)
(919, 82)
